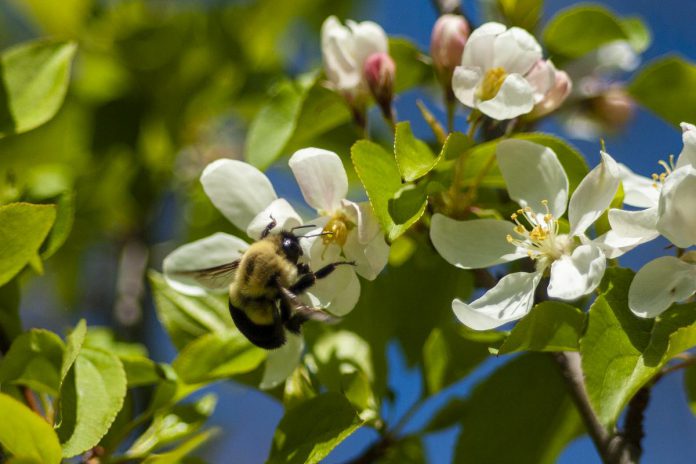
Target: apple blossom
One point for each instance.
(575, 264)
(493, 76)
(556, 95)
(660, 283)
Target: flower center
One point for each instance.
(337, 230)
(538, 234)
(659, 179)
(492, 82)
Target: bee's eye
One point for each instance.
(292, 249)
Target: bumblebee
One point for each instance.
(267, 279)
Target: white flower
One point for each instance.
(660, 283)
(352, 228)
(245, 196)
(345, 50)
(537, 181)
(493, 76)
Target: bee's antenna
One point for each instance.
(316, 235)
(302, 227)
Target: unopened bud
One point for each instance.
(614, 107)
(379, 72)
(447, 41)
(554, 98)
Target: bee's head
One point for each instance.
(290, 245)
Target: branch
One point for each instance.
(633, 426)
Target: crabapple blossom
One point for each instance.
(575, 264)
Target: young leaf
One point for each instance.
(35, 77)
(181, 451)
(25, 434)
(540, 416)
(413, 157)
(380, 176)
(73, 346)
(690, 387)
(407, 202)
(665, 87)
(411, 66)
(550, 326)
(34, 360)
(10, 323)
(217, 356)
(91, 397)
(521, 13)
(65, 216)
(23, 228)
(308, 432)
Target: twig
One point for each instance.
(30, 399)
(633, 425)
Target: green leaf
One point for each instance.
(140, 370)
(186, 318)
(690, 387)
(308, 432)
(23, 228)
(412, 68)
(25, 434)
(91, 397)
(521, 13)
(579, 30)
(380, 176)
(298, 388)
(10, 323)
(181, 451)
(455, 145)
(413, 157)
(665, 87)
(35, 78)
(73, 346)
(407, 202)
(638, 33)
(540, 416)
(217, 356)
(65, 216)
(171, 425)
(34, 360)
(406, 450)
(550, 326)
(621, 352)
(448, 415)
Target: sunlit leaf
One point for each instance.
(181, 451)
(413, 156)
(412, 69)
(521, 13)
(34, 360)
(25, 434)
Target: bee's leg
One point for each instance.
(267, 230)
(307, 280)
(299, 313)
(303, 268)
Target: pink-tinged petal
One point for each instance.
(214, 250)
(473, 244)
(321, 177)
(464, 84)
(660, 283)
(369, 38)
(279, 210)
(515, 98)
(542, 78)
(688, 153)
(516, 51)
(677, 207)
(281, 362)
(577, 275)
(511, 299)
(533, 174)
(639, 191)
(237, 189)
(594, 195)
(478, 51)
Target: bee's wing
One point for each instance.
(213, 277)
(307, 312)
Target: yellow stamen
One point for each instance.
(492, 82)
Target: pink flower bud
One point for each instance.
(555, 96)
(379, 72)
(614, 107)
(449, 36)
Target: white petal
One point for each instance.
(214, 250)
(677, 207)
(509, 300)
(688, 153)
(478, 51)
(370, 258)
(237, 189)
(516, 51)
(638, 190)
(363, 215)
(279, 210)
(338, 53)
(635, 224)
(515, 98)
(369, 38)
(577, 275)
(281, 362)
(473, 244)
(465, 80)
(337, 293)
(321, 178)
(660, 283)
(542, 78)
(594, 195)
(532, 174)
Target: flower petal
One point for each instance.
(515, 98)
(337, 46)
(594, 195)
(321, 177)
(363, 215)
(688, 153)
(660, 283)
(542, 78)
(577, 275)
(337, 293)
(473, 244)
(478, 51)
(532, 174)
(638, 190)
(677, 207)
(282, 362)
(237, 189)
(465, 81)
(214, 250)
(629, 229)
(516, 51)
(511, 299)
(279, 210)
(369, 38)
(370, 258)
